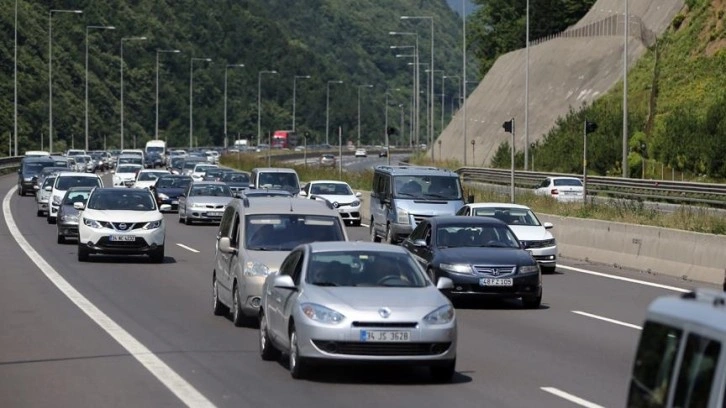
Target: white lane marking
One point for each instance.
(605, 319)
(365, 225)
(569, 397)
(173, 381)
(616, 277)
(190, 249)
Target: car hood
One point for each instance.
(125, 176)
(429, 208)
(485, 256)
(530, 232)
(343, 199)
(414, 303)
(208, 200)
(68, 209)
(122, 215)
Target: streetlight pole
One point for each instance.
(359, 87)
(526, 98)
(294, 93)
(416, 81)
(87, 28)
(327, 109)
(156, 122)
(225, 97)
(191, 98)
(463, 74)
(259, 105)
(625, 93)
(50, 72)
(15, 81)
(122, 82)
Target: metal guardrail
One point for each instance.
(7, 163)
(652, 190)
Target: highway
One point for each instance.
(576, 350)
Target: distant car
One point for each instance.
(339, 195)
(563, 189)
(125, 174)
(238, 181)
(383, 152)
(361, 153)
(30, 168)
(215, 174)
(200, 169)
(167, 189)
(328, 160)
(63, 182)
(204, 201)
(480, 254)
(147, 177)
(356, 302)
(534, 235)
(68, 214)
(121, 221)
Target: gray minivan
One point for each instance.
(404, 195)
(275, 178)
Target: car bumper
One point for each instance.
(68, 229)
(205, 215)
(466, 285)
(250, 291)
(401, 231)
(53, 210)
(173, 202)
(545, 256)
(98, 240)
(43, 205)
(349, 213)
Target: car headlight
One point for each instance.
(256, 269)
(56, 200)
(401, 216)
(70, 218)
(457, 268)
(355, 203)
(163, 196)
(321, 314)
(442, 315)
(529, 269)
(549, 242)
(153, 225)
(91, 223)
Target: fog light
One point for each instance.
(255, 302)
(330, 347)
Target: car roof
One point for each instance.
(498, 205)
(564, 178)
(79, 188)
(415, 171)
(703, 307)
(460, 220)
(76, 174)
(324, 246)
(153, 170)
(329, 181)
(274, 169)
(286, 205)
(209, 183)
(132, 165)
(122, 189)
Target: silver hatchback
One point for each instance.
(334, 302)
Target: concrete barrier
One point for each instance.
(682, 254)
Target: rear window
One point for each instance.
(64, 183)
(283, 232)
(73, 197)
(568, 182)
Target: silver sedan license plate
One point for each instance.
(122, 238)
(496, 282)
(385, 336)
(214, 214)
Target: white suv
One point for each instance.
(63, 182)
(121, 221)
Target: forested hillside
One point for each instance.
(326, 39)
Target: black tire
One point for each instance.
(181, 220)
(238, 317)
(298, 367)
(374, 237)
(21, 192)
(61, 239)
(51, 220)
(39, 213)
(268, 352)
(157, 255)
(443, 373)
(187, 221)
(389, 236)
(548, 269)
(218, 308)
(532, 302)
(82, 254)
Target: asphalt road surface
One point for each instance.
(139, 334)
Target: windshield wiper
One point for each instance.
(495, 245)
(436, 195)
(325, 284)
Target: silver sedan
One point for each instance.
(351, 302)
(204, 201)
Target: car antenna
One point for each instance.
(291, 209)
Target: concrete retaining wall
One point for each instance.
(686, 255)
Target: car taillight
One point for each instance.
(554, 191)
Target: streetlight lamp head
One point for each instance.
(208, 59)
(109, 28)
(78, 11)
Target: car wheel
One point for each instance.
(82, 254)
(39, 213)
(532, 302)
(181, 220)
(297, 364)
(443, 373)
(238, 317)
(218, 307)
(389, 235)
(187, 221)
(20, 191)
(61, 239)
(51, 220)
(268, 352)
(374, 237)
(157, 255)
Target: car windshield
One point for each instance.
(129, 160)
(236, 177)
(131, 199)
(66, 182)
(173, 182)
(48, 182)
(364, 268)
(568, 182)
(428, 187)
(214, 190)
(283, 232)
(202, 169)
(79, 196)
(190, 164)
(177, 162)
(81, 159)
(330, 189)
(157, 150)
(448, 236)
(33, 168)
(128, 169)
(279, 181)
(512, 216)
(150, 175)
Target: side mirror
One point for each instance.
(303, 193)
(284, 282)
(165, 207)
(79, 206)
(419, 243)
(548, 225)
(48, 188)
(226, 246)
(358, 194)
(444, 283)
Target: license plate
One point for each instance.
(214, 214)
(175, 202)
(387, 336)
(122, 238)
(496, 282)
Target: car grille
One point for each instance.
(418, 218)
(494, 270)
(386, 324)
(214, 206)
(106, 243)
(122, 226)
(382, 349)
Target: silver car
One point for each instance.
(204, 201)
(42, 196)
(347, 302)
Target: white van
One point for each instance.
(681, 361)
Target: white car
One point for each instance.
(125, 174)
(121, 221)
(42, 196)
(147, 177)
(533, 234)
(63, 182)
(212, 156)
(200, 169)
(361, 153)
(563, 189)
(339, 194)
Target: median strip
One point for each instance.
(605, 319)
(190, 249)
(569, 397)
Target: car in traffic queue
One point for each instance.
(481, 255)
(256, 193)
(215, 173)
(356, 302)
(42, 196)
(130, 159)
(146, 178)
(361, 152)
(328, 160)
(531, 233)
(64, 181)
(30, 168)
(175, 164)
(254, 236)
(67, 224)
(45, 172)
(204, 201)
(200, 169)
(238, 181)
(275, 178)
(125, 174)
(167, 189)
(339, 194)
(383, 152)
(562, 189)
(121, 221)
(190, 162)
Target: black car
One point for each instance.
(216, 173)
(166, 190)
(30, 168)
(481, 255)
